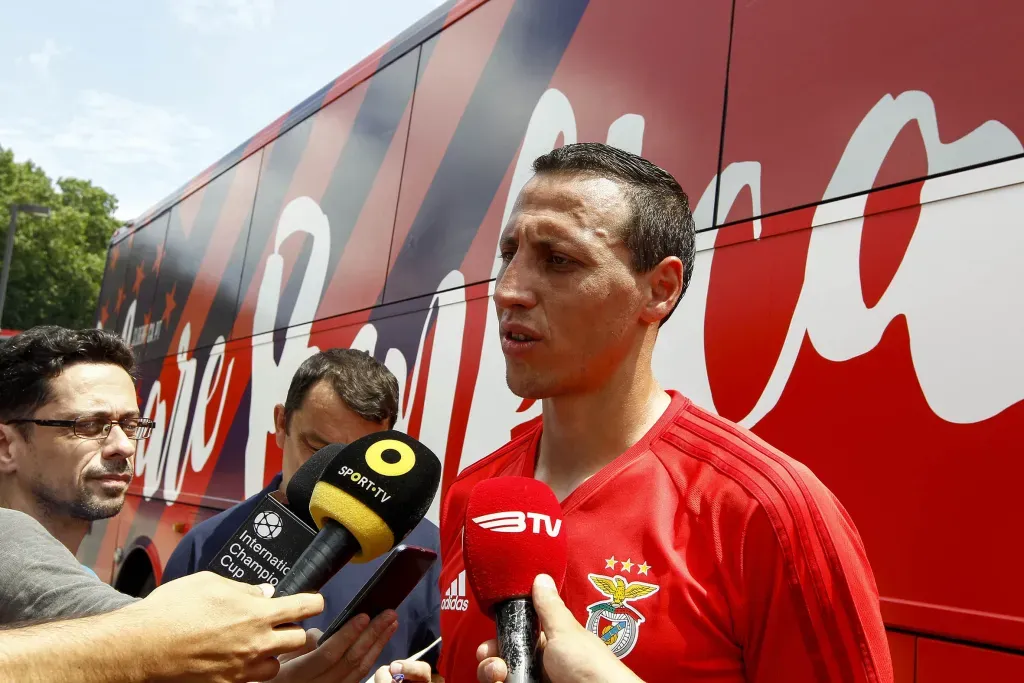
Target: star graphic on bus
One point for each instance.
(140, 275)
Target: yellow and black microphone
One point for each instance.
(372, 493)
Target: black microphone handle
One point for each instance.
(518, 640)
(330, 549)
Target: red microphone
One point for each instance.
(513, 533)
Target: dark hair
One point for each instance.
(662, 224)
(362, 382)
(29, 360)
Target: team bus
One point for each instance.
(857, 173)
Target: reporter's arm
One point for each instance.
(202, 627)
(97, 649)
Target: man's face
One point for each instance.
(69, 476)
(569, 304)
(322, 419)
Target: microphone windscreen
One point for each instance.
(513, 532)
(378, 487)
(300, 487)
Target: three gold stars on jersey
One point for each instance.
(627, 565)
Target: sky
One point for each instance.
(140, 96)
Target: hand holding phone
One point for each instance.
(396, 577)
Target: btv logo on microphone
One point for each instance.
(455, 597)
(514, 522)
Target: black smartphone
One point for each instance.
(394, 579)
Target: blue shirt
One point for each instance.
(419, 622)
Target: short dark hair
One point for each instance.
(362, 382)
(29, 360)
(662, 222)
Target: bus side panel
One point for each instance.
(903, 650)
(140, 251)
(326, 200)
(197, 289)
(107, 309)
(926, 85)
(939, 662)
(328, 190)
(546, 73)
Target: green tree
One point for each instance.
(58, 261)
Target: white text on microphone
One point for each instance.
(365, 483)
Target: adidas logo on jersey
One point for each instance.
(455, 597)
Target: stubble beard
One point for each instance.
(85, 505)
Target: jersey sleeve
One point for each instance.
(810, 609)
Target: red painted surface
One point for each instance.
(939, 662)
(903, 649)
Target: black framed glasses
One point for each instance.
(136, 428)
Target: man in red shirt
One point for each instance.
(696, 550)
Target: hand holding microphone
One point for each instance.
(571, 653)
(515, 552)
(513, 532)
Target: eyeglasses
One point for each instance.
(136, 428)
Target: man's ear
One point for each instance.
(280, 425)
(664, 287)
(10, 438)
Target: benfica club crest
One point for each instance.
(615, 621)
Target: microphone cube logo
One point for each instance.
(267, 525)
(515, 522)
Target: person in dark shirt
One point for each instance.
(336, 396)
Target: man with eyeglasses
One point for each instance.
(69, 424)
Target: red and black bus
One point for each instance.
(857, 173)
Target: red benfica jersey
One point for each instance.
(701, 553)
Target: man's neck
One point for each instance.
(71, 532)
(584, 432)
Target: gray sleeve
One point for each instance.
(40, 580)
